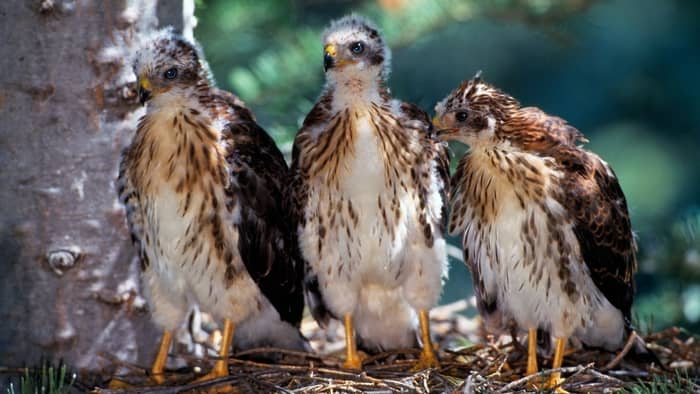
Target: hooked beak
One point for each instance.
(329, 57)
(441, 131)
(144, 89)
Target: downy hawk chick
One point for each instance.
(544, 223)
(205, 196)
(369, 189)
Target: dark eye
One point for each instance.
(170, 73)
(357, 47)
(461, 116)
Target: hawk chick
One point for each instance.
(369, 189)
(544, 223)
(204, 190)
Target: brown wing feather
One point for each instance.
(299, 197)
(534, 130)
(593, 197)
(128, 196)
(259, 176)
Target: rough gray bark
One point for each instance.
(68, 276)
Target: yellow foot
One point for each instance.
(353, 361)
(220, 370)
(535, 384)
(555, 381)
(153, 380)
(221, 366)
(427, 360)
(116, 384)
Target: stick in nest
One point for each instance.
(577, 369)
(628, 346)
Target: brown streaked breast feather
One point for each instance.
(434, 151)
(298, 191)
(461, 185)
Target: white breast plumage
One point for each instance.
(526, 253)
(364, 238)
(186, 263)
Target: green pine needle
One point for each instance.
(44, 380)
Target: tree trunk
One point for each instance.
(69, 284)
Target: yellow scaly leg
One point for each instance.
(427, 359)
(531, 351)
(555, 378)
(159, 363)
(158, 366)
(221, 367)
(352, 358)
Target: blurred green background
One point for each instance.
(625, 72)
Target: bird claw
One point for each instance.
(118, 384)
(219, 371)
(427, 360)
(534, 384)
(353, 362)
(554, 382)
(551, 384)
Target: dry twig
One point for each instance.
(630, 342)
(472, 368)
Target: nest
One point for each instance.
(471, 362)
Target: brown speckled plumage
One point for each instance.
(207, 203)
(369, 190)
(540, 217)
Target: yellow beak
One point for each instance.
(331, 58)
(144, 83)
(144, 89)
(441, 131)
(329, 50)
